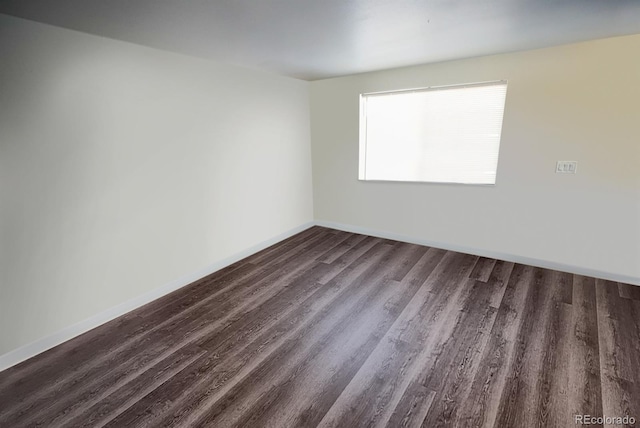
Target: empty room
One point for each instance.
(336, 213)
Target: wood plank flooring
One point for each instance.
(335, 329)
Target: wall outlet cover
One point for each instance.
(566, 167)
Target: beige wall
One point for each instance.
(123, 168)
(577, 102)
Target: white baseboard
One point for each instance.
(34, 348)
(483, 253)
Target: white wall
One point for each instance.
(123, 168)
(576, 102)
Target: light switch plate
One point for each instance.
(566, 167)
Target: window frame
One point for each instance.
(363, 129)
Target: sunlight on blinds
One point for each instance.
(448, 135)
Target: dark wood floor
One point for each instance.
(330, 328)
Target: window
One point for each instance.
(447, 134)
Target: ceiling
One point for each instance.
(315, 39)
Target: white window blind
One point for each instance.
(448, 134)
